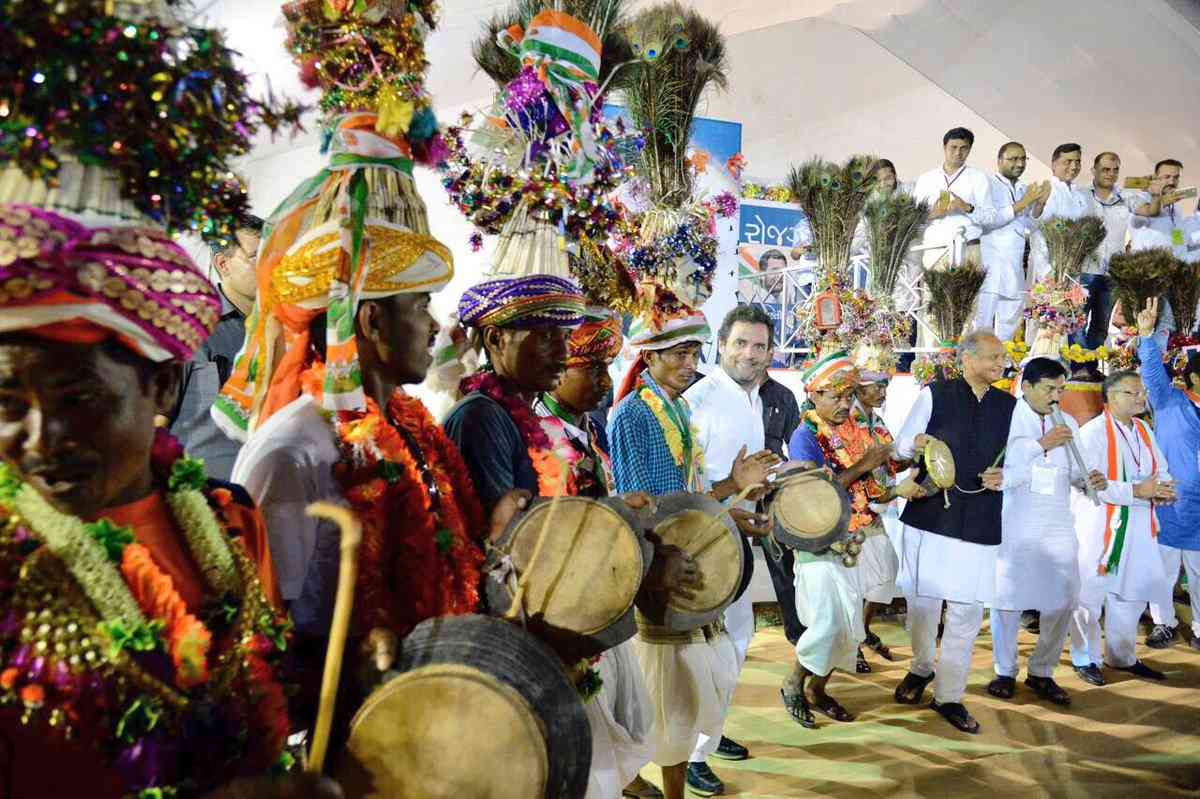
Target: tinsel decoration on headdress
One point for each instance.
(539, 169)
(833, 197)
(671, 244)
(118, 111)
(1057, 302)
(892, 223)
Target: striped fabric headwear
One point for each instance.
(523, 303)
(67, 282)
(653, 336)
(832, 371)
(597, 339)
(356, 230)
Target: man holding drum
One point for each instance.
(950, 539)
(829, 594)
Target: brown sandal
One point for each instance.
(830, 707)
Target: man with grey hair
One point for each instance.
(950, 542)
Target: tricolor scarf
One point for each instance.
(1116, 518)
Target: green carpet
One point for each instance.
(1131, 739)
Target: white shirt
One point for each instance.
(1003, 246)
(727, 418)
(285, 465)
(967, 184)
(1065, 202)
(1116, 212)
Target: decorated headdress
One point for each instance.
(835, 370)
(670, 245)
(658, 334)
(893, 222)
(357, 229)
(838, 316)
(539, 169)
(874, 362)
(117, 113)
(597, 339)
(117, 123)
(522, 303)
(1058, 302)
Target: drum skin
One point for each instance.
(809, 511)
(480, 710)
(700, 526)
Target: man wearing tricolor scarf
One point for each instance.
(655, 450)
(1120, 566)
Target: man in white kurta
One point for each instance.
(728, 415)
(1066, 201)
(1002, 297)
(1120, 567)
(1037, 565)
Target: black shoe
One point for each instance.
(1160, 637)
(1140, 669)
(730, 750)
(1031, 621)
(702, 782)
(1090, 674)
(1046, 688)
(957, 715)
(1002, 687)
(911, 688)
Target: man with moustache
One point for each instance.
(1002, 297)
(950, 542)
(727, 409)
(1116, 209)
(1158, 222)
(1065, 202)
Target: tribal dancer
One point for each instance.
(829, 595)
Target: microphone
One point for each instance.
(1056, 414)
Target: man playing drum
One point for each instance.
(829, 594)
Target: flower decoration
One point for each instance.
(1056, 308)
(159, 104)
(940, 365)
(864, 320)
(1077, 354)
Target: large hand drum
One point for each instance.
(809, 511)
(701, 527)
(481, 709)
(580, 587)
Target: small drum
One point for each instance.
(938, 465)
(580, 589)
(701, 527)
(809, 511)
(480, 709)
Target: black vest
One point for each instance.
(976, 431)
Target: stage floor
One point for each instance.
(1130, 738)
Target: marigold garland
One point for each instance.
(674, 436)
(430, 564)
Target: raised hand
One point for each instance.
(1147, 318)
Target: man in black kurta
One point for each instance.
(949, 553)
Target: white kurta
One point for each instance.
(1037, 565)
(971, 186)
(1139, 575)
(1116, 213)
(621, 720)
(1065, 202)
(1168, 229)
(936, 566)
(1003, 246)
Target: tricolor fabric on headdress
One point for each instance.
(67, 282)
(597, 339)
(357, 230)
(833, 371)
(523, 303)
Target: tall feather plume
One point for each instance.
(679, 56)
(605, 17)
(832, 196)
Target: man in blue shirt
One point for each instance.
(1177, 427)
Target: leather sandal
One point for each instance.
(861, 666)
(1002, 687)
(957, 715)
(797, 707)
(1046, 688)
(874, 642)
(830, 707)
(910, 689)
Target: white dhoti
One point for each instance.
(877, 566)
(621, 723)
(739, 624)
(690, 685)
(934, 568)
(830, 607)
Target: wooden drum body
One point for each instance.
(809, 511)
(480, 710)
(581, 586)
(701, 527)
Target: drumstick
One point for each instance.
(351, 536)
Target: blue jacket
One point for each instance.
(1177, 428)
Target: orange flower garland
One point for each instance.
(421, 554)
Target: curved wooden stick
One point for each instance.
(351, 537)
